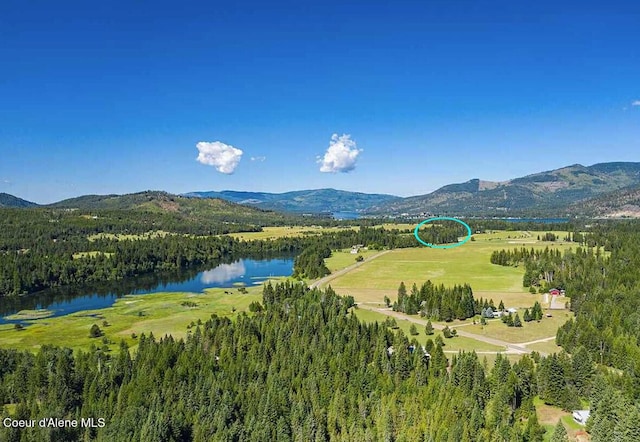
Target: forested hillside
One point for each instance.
(302, 369)
(190, 210)
(302, 201)
(7, 200)
(602, 278)
(43, 248)
(546, 193)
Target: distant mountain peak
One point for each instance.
(7, 200)
(548, 191)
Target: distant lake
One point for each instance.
(345, 215)
(536, 220)
(73, 299)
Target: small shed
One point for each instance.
(581, 416)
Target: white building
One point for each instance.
(581, 416)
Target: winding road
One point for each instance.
(511, 348)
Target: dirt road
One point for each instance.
(510, 348)
(326, 279)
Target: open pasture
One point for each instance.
(344, 258)
(530, 331)
(286, 232)
(453, 344)
(469, 263)
(160, 313)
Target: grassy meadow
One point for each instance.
(171, 313)
(548, 417)
(160, 313)
(287, 232)
(453, 344)
(344, 258)
(530, 331)
(469, 263)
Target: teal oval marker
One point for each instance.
(445, 218)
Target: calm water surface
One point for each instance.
(70, 300)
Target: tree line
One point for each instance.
(302, 367)
(437, 302)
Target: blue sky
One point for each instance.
(113, 97)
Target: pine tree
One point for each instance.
(501, 306)
(446, 332)
(559, 433)
(583, 370)
(628, 426)
(516, 321)
(536, 311)
(413, 330)
(527, 315)
(95, 331)
(509, 320)
(402, 298)
(428, 329)
(534, 432)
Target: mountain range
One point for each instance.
(303, 201)
(548, 193)
(605, 189)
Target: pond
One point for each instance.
(68, 300)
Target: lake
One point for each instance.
(345, 215)
(74, 299)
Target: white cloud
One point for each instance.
(261, 159)
(636, 103)
(223, 157)
(223, 273)
(341, 155)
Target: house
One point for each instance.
(356, 248)
(554, 292)
(512, 310)
(581, 416)
(498, 314)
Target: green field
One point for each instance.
(530, 331)
(548, 417)
(469, 263)
(26, 315)
(547, 347)
(344, 258)
(286, 232)
(452, 344)
(160, 313)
